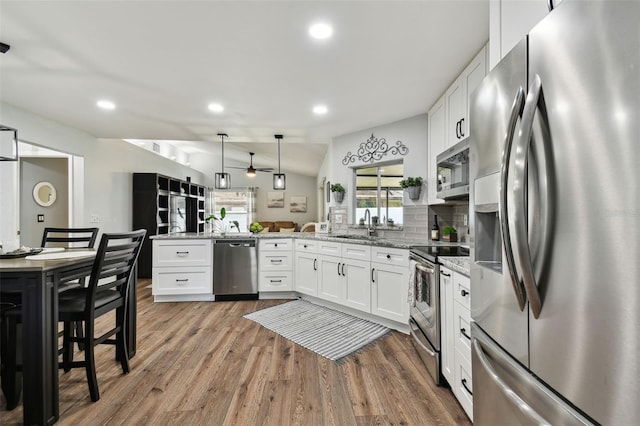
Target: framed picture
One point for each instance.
(328, 192)
(298, 204)
(275, 199)
(322, 227)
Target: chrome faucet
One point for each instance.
(367, 217)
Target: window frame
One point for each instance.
(379, 209)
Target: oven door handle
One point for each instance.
(412, 330)
(427, 269)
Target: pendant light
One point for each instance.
(279, 179)
(223, 180)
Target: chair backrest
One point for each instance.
(115, 259)
(79, 237)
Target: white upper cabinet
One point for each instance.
(437, 142)
(456, 110)
(510, 21)
(457, 98)
(449, 118)
(472, 77)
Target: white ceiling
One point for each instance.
(163, 62)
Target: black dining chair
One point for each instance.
(107, 290)
(70, 238)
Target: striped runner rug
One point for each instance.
(329, 333)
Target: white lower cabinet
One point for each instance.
(275, 265)
(330, 283)
(447, 353)
(456, 336)
(389, 291)
(182, 270)
(352, 280)
(390, 283)
(306, 273)
(357, 284)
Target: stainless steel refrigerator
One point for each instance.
(555, 200)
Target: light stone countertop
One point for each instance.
(353, 239)
(456, 263)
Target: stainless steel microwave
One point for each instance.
(453, 172)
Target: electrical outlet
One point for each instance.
(338, 218)
(94, 218)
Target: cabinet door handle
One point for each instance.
(180, 253)
(275, 244)
(338, 268)
(343, 270)
(388, 256)
(275, 281)
(464, 333)
(305, 246)
(464, 292)
(461, 128)
(445, 274)
(457, 129)
(315, 264)
(464, 383)
(275, 260)
(182, 281)
(373, 280)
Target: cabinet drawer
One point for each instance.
(306, 246)
(182, 253)
(463, 387)
(274, 261)
(272, 244)
(356, 251)
(276, 281)
(182, 281)
(390, 256)
(329, 247)
(462, 329)
(461, 286)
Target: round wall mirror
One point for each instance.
(44, 193)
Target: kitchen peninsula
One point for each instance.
(366, 277)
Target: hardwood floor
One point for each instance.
(203, 364)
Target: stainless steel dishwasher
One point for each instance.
(235, 269)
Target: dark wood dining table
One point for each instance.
(37, 281)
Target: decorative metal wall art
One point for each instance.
(374, 149)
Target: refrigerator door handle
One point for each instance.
(516, 111)
(521, 161)
(509, 393)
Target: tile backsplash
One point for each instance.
(417, 222)
(452, 215)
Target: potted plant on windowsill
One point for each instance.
(450, 234)
(413, 186)
(338, 192)
(221, 226)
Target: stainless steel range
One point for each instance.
(424, 321)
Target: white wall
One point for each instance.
(296, 185)
(412, 132)
(108, 165)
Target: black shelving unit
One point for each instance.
(152, 200)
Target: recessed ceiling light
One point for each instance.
(320, 31)
(104, 104)
(320, 109)
(216, 108)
